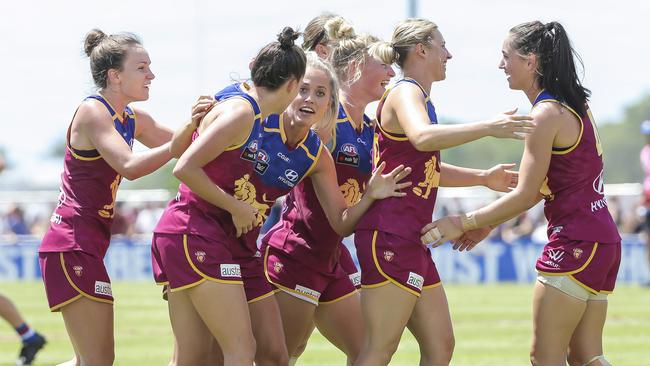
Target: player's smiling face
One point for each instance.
(135, 76)
(438, 55)
(312, 101)
(375, 76)
(519, 69)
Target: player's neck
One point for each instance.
(421, 75)
(115, 99)
(268, 101)
(294, 132)
(354, 107)
(532, 92)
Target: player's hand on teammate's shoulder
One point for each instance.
(201, 107)
(388, 185)
(511, 125)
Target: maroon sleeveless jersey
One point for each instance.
(256, 172)
(405, 216)
(303, 231)
(232, 171)
(84, 213)
(575, 205)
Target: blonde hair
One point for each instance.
(408, 34)
(329, 119)
(356, 50)
(319, 32)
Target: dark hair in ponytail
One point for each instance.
(279, 61)
(556, 70)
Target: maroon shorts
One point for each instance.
(305, 283)
(593, 265)
(70, 275)
(385, 258)
(347, 263)
(183, 261)
(256, 286)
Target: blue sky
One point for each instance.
(198, 46)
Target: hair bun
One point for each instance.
(338, 28)
(287, 37)
(93, 38)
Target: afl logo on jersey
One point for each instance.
(262, 156)
(599, 184)
(348, 155)
(349, 149)
(253, 146)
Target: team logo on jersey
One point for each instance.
(348, 155)
(351, 192)
(78, 270)
(599, 183)
(431, 179)
(261, 162)
(388, 255)
(577, 253)
(277, 267)
(200, 256)
(250, 152)
(245, 191)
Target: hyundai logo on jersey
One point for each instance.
(291, 174)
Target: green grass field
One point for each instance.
(492, 326)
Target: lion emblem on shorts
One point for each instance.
(245, 191)
(78, 270)
(277, 267)
(200, 256)
(577, 253)
(388, 255)
(351, 192)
